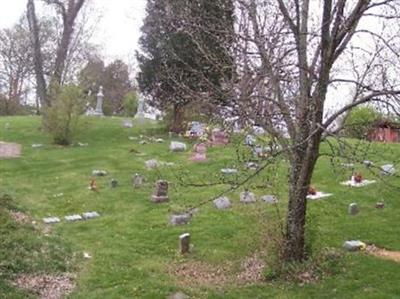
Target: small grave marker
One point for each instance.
(177, 146)
(180, 219)
(247, 197)
(184, 242)
(71, 218)
(161, 192)
(114, 183)
(51, 220)
(222, 203)
(137, 180)
(353, 209)
(354, 245)
(90, 215)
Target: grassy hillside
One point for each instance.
(133, 246)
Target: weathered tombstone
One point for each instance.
(97, 172)
(161, 192)
(140, 111)
(354, 245)
(177, 146)
(114, 183)
(222, 203)
(10, 150)
(195, 129)
(199, 153)
(219, 137)
(37, 145)
(388, 169)
(252, 165)
(250, 140)
(228, 170)
(90, 215)
(137, 180)
(353, 209)
(51, 220)
(71, 218)
(127, 123)
(380, 205)
(269, 199)
(180, 219)
(99, 104)
(368, 163)
(184, 243)
(247, 197)
(151, 164)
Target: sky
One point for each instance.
(118, 29)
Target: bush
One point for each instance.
(360, 121)
(130, 102)
(61, 119)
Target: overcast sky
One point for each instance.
(118, 30)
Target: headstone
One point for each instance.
(368, 163)
(99, 105)
(137, 180)
(180, 219)
(354, 245)
(151, 164)
(247, 197)
(71, 218)
(199, 153)
(388, 169)
(347, 165)
(97, 172)
(90, 215)
(140, 111)
(161, 192)
(222, 203)
(37, 145)
(82, 144)
(252, 165)
(127, 123)
(195, 129)
(353, 209)
(219, 137)
(184, 242)
(114, 183)
(250, 140)
(159, 140)
(10, 150)
(228, 170)
(51, 220)
(380, 205)
(177, 146)
(269, 199)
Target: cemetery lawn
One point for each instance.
(134, 249)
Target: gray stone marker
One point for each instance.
(380, 205)
(137, 180)
(37, 145)
(252, 165)
(51, 220)
(127, 123)
(269, 199)
(152, 164)
(114, 183)
(177, 146)
(99, 104)
(90, 215)
(368, 163)
(228, 170)
(161, 192)
(71, 218)
(97, 172)
(222, 203)
(184, 242)
(180, 219)
(353, 245)
(247, 197)
(353, 209)
(388, 169)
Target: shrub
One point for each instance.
(360, 121)
(61, 118)
(130, 102)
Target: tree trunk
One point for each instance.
(177, 121)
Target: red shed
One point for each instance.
(384, 131)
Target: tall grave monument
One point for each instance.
(99, 105)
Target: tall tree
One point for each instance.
(181, 43)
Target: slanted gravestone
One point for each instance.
(10, 150)
(219, 137)
(354, 245)
(177, 146)
(90, 215)
(127, 123)
(388, 169)
(180, 219)
(247, 197)
(161, 192)
(114, 183)
(137, 180)
(51, 220)
(199, 153)
(184, 243)
(222, 203)
(72, 218)
(272, 199)
(353, 209)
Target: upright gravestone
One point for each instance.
(140, 111)
(184, 241)
(137, 180)
(353, 209)
(99, 105)
(199, 153)
(161, 192)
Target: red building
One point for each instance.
(384, 131)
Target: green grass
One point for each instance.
(132, 244)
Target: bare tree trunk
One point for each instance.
(177, 122)
(38, 59)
